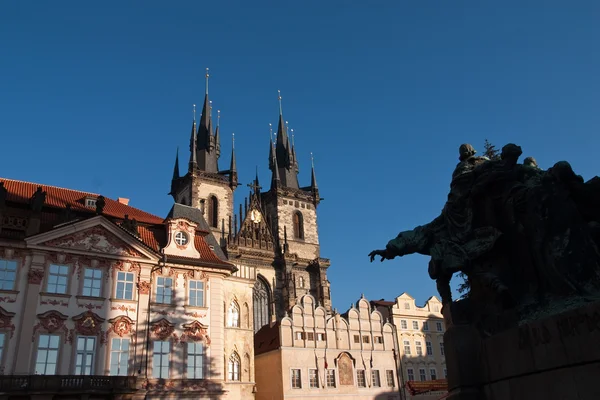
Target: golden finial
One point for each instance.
(233, 140)
(194, 112)
(210, 109)
(271, 132)
(218, 117)
(279, 98)
(207, 75)
(293, 142)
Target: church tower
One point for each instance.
(204, 186)
(292, 213)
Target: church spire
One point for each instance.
(193, 160)
(275, 181)
(283, 153)
(205, 146)
(233, 178)
(313, 177)
(176, 167)
(217, 137)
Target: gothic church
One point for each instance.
(273, 238)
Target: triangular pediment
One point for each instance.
(95, 235)
(254, 231)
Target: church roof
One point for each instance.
(151, 228)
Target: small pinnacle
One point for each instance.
(233, 140)
(207, 75)
(312, 160)
(194, 112)
(279, 98)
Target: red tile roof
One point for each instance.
(151, 229)
(21, 192)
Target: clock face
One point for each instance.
(255, 216)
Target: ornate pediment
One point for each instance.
(162, 329)
(121, 325)
(195, 331)
(88, 323)
(96, 239)
(254, 231)
(51, 321)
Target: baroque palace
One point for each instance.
(101, 300)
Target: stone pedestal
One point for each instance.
(556, 357)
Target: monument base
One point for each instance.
(556, 357)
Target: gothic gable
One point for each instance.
(254, 231)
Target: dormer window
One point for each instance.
(90, 202)
(181, 238)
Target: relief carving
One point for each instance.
(95, 239)
(345, 368)
(88, 323)
(51, 321)
(35, 276)
(195, 331)
(121, 325)
(143, 287)
(162, 329)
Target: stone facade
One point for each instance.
(310, 354)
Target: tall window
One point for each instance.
(233, 315)
(164, 290)
(124, 286)
(195, 360)
(84, 362)
(389, 375)
(296, 378)
(213, 211)
(360, 378)
(419, 348)
(439, 327)
(407, 347)
(442, 350)
(410, 373)
(298, 225)
(433, 374)
(403, 324)
(160, 359)
(425, 325)
(119, 356)
(47, 355)
(8, 274)
(92, 278)
(331, 378)
(375, 378)
(2, 338)
(429, 348)
(261, 298)
(301, 282)
(233, 367)
(58, 276)
(196, 294)
(422, 374)
(313, 378)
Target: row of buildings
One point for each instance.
(99, 299)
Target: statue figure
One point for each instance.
(519, 233)
(37, 200)
(100, 203)
(131, 225)
(531, 162)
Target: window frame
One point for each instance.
(37, 352)
(67, 275)
(202, 356)
(298, 225)
(418, 348)
(85, 354)
(231, 370)
(422, 374)
(6, 262)
(410, 372)
(407, 349)
(429, 348)
(361, 373)
(116, 286)
(121, 353)
(389, 378)
(439, 326)
(415, 325)
(171, 295)
(168, 357)
(83, 279)
(375, 374)
(434, 374)
(310, 378)
(328, 375)
(403, 324)
(292, 378)
(189, 289)
(233, 323)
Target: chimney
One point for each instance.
(123, 201)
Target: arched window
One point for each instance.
(213, 211)
(261, 297)
(301, 282)
(233, 315)
(298, 225)
(233, 367)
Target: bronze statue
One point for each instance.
(100, 204)
(520, 234)
(37, 200)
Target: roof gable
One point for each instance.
(95, 235)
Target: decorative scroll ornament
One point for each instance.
(6, 321)
(162, 329)
(35, 276)
(121, 325)
(88, 323)
(51, 321)
(195, 331)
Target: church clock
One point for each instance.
(255, 216)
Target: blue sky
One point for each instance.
(97, 97)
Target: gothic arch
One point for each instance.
(213, 211)
(261, 298)
(298, 222)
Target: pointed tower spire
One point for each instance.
(275, 181)
(313, 177)
(193, 164)
(176, 168)
(205, 144)
(217, 136)
(283, 152)
(233, 177)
